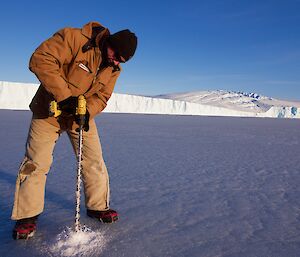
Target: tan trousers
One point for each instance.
(31, 180)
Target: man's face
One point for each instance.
(111, 57)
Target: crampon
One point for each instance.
(24, 228)
(108, 216)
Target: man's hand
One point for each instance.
(68, 108)
(69, 105)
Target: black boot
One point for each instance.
(25, 228)
(108, 216)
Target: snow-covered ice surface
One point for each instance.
(183, 185)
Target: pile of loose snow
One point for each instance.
(82, 243)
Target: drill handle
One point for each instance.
(81, 110)
(54, 110)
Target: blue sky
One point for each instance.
(190, 45)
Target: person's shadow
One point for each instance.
(7, 188)
(51, 196)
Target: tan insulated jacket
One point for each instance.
(69, 64)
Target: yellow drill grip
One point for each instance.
(81, 108)
(53, 109)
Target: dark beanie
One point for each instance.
(124, 43)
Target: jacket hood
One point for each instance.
(96, 34)
(87, 29)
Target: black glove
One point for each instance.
(83, 120)
(68, 106)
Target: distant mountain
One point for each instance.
(241, 101)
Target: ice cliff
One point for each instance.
(17, 96)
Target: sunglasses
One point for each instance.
(119, 58)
